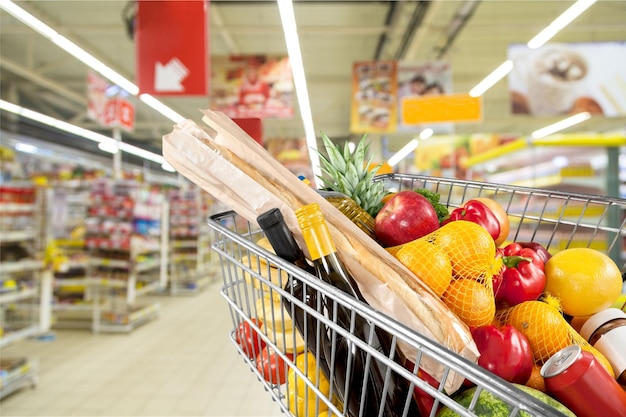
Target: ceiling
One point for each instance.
(472, 35)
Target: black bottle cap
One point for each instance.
(279, 235)
(269, 218)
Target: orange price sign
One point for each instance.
(438, 109)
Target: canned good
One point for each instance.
(576, 378)
(606, 331)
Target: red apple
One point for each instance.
(405, 217)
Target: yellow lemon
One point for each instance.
(584, 280)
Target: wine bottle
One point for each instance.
(348, 363)
(285, 246)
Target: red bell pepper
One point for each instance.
(522, 278)
(504, 351)
(537, 247)
(425, 402)
(477, 212)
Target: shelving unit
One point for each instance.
(189, 268)
(26, 282)
(564, 161)
(16, 374)
(127, 240)
(71, 306)
(572, 163)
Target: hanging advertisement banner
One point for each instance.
(374, 97)
(563, 79)
(252, 86)
(419, 79)
(97, 97)
(172, 47)
(106, 106)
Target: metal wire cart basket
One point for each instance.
(554, 219)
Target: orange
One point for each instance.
(584, 280)
(543, 325)
(470, 247)
(536, 381)
(387, 197)
(471, 301)
(428, 262)
(578, 322)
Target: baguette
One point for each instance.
(387, 285)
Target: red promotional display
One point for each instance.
(172, 48)
(120, 112)
(105, 105)
(253, 126)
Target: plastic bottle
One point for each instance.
(348, 363)
(351, 210)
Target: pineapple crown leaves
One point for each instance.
(347, 172)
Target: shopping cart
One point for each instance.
(556, 220)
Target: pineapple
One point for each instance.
(348, 173)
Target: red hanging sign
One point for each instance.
(172, 51)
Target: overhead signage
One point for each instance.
(374, 97)
(420, 79)
(252, 86)
(172, 48)
(120, 112)
(106, 105)
(444, 108)
(563, 79)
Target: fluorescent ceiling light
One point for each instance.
(25, 147)
(288, 19)
(68, 46)
(85, 57)
(563, 124)
(161, 108)
(426, 133)
(402, 153)
(539, 40)
(167, 167)
(559, 23)
(103, 140)
(108, 147)
(492, 78)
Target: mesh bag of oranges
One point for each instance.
(456, 261)
(546, 329)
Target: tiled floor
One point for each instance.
(182, 364)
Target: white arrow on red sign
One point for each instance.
(168, 77)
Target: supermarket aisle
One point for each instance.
(182, 364)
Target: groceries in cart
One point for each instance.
(411, 295)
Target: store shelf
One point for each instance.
(23, 265)
(13, 208)
(189, 249)
(25, 300)
(12, 336)
(126, 239)
(16, 374)
(126, 322)
(17, 235)
(18, 295)
(563, 140)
